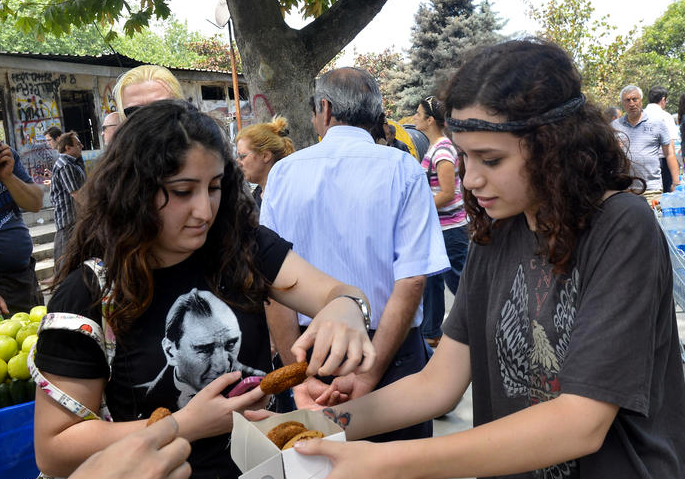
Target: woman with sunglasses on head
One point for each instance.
(564, 320)
(183, 273)
(441, 164)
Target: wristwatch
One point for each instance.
(363, 307)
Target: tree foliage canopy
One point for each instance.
(592, 43)
(608, 62)
(166, 43)
(382, 66)
(443, 32)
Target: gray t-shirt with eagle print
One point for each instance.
(606, 330)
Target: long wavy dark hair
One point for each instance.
(119, 222)
(571, 163)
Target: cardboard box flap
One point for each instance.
(249, 446)
(259, 458)
(309, 467)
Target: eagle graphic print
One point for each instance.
(531, 348)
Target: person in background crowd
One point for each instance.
(657, 107)
(109, 126)
(643, 136)
(564, 319)
(361, 212)
(52, 134)
(68, 176)
(681, 126)
(377, 131)
(390, 132)
(19, 289)
(260, 146)
(440, 164)
(142, 85)
(612, 113)
(166, 214)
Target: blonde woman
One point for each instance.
(260, 146)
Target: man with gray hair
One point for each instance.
(643, 137)
(363, 213)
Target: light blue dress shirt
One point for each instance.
(362, 213)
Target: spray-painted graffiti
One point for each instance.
(108, 104)
(35, 103)
(266, 103)
(37, 159)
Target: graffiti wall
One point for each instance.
(38, 159)
(107, 105)
(34, 98)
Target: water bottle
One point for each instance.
(668, 211)
(679, 239)
(677, 203)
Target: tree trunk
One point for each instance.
(280, 63)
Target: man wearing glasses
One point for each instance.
(109, 126)
(644, 136)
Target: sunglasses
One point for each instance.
(429, 100)
(129, 111)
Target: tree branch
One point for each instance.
(332, 31)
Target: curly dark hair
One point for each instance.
(119, 222)
(571, 163)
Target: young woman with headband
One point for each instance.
(564, 320)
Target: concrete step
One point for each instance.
(43, 251)
(45, 268)
(44, 233)
(42, 217)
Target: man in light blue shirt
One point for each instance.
(364, 214)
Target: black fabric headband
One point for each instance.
(551, 116)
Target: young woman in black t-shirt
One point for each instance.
(187, 270)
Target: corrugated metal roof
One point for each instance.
(110, 60)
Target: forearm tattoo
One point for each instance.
(343, 419)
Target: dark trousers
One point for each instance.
(411, 358)
(457, 246)
(20, 289)
(60, 243)
(666, 178)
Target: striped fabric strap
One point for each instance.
(83, 325)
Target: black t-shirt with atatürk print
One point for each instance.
(184, 340)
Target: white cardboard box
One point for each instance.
(259, 458)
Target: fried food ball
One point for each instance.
(157, 415)
(284, 378)
(303, 436)
(282, 433)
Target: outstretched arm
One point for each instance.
(520, 442)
